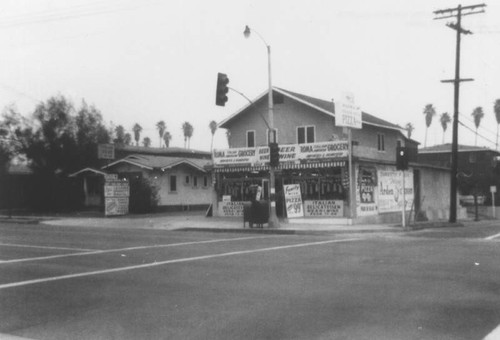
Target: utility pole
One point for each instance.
(457, 13)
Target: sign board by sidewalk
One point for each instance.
(293, 201)
(347, 113)
(116, 197)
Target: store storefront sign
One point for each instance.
(295, 153)
(320, 208)
(293, 200)
(366, 191)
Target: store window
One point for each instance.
(267, 136)
(305, 134)
(381, 142)
(251, 139)
(173, 183)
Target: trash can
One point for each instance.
(256, 212)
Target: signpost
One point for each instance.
(493, 190)
(348, 115)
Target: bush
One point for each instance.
(143, 196)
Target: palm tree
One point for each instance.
(167, 137)
(409, 129)
(429, 113)
(146, 142)
(137, 129)
(213, 128)
(120, 134)
(496, 108)
(444, 120)
(188, 133)
(127, 139)
(161, 129)
(478, 114)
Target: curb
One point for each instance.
(20, 220)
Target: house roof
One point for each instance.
(324, 106)
(91, 170)
(125, 150)
(151, 162)
(446, 148)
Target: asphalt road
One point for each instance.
(97, 283)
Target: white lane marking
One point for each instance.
(494, 335)
(49, 257)
(492, 237)
(4, 336)
(154, 264)
(43, 247)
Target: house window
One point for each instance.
(305, 134)
(195, 181)
(205, 181)
(187, 180)
(251, 139)
(173, 183)
(381, 142)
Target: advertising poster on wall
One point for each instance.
(231, 208)
(366, 191)
(390, 190)
(293, 201)
(324, 208)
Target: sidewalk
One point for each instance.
(196, 221)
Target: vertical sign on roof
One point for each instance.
(347, 113)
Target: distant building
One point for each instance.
(180, 176)
(475, 166)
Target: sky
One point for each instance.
(151, 60)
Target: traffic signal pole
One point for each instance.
(458, 13)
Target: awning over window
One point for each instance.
(283, 166)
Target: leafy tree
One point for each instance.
(10, 125)
(161, 129)
(496, 109)
(409, 129)
(444, 119)
(188, 133)
(167, 137)
(429, 113)
(127, 139)
(146, 142)
(213, 127)
(477, 114)
(120, 135)
(137, 129)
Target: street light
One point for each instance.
(273, 218)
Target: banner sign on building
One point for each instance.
(320, 208)
(347, 113)
(116, 197)
(293, 200)
(297, 153)
(390, 190)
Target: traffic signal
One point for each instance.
(401, 158)
(274, 154)
(222, 89)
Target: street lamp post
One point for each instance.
(273, 218)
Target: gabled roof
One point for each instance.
(91, 170)
(446, 148)
(324, 106)
(160, 162)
